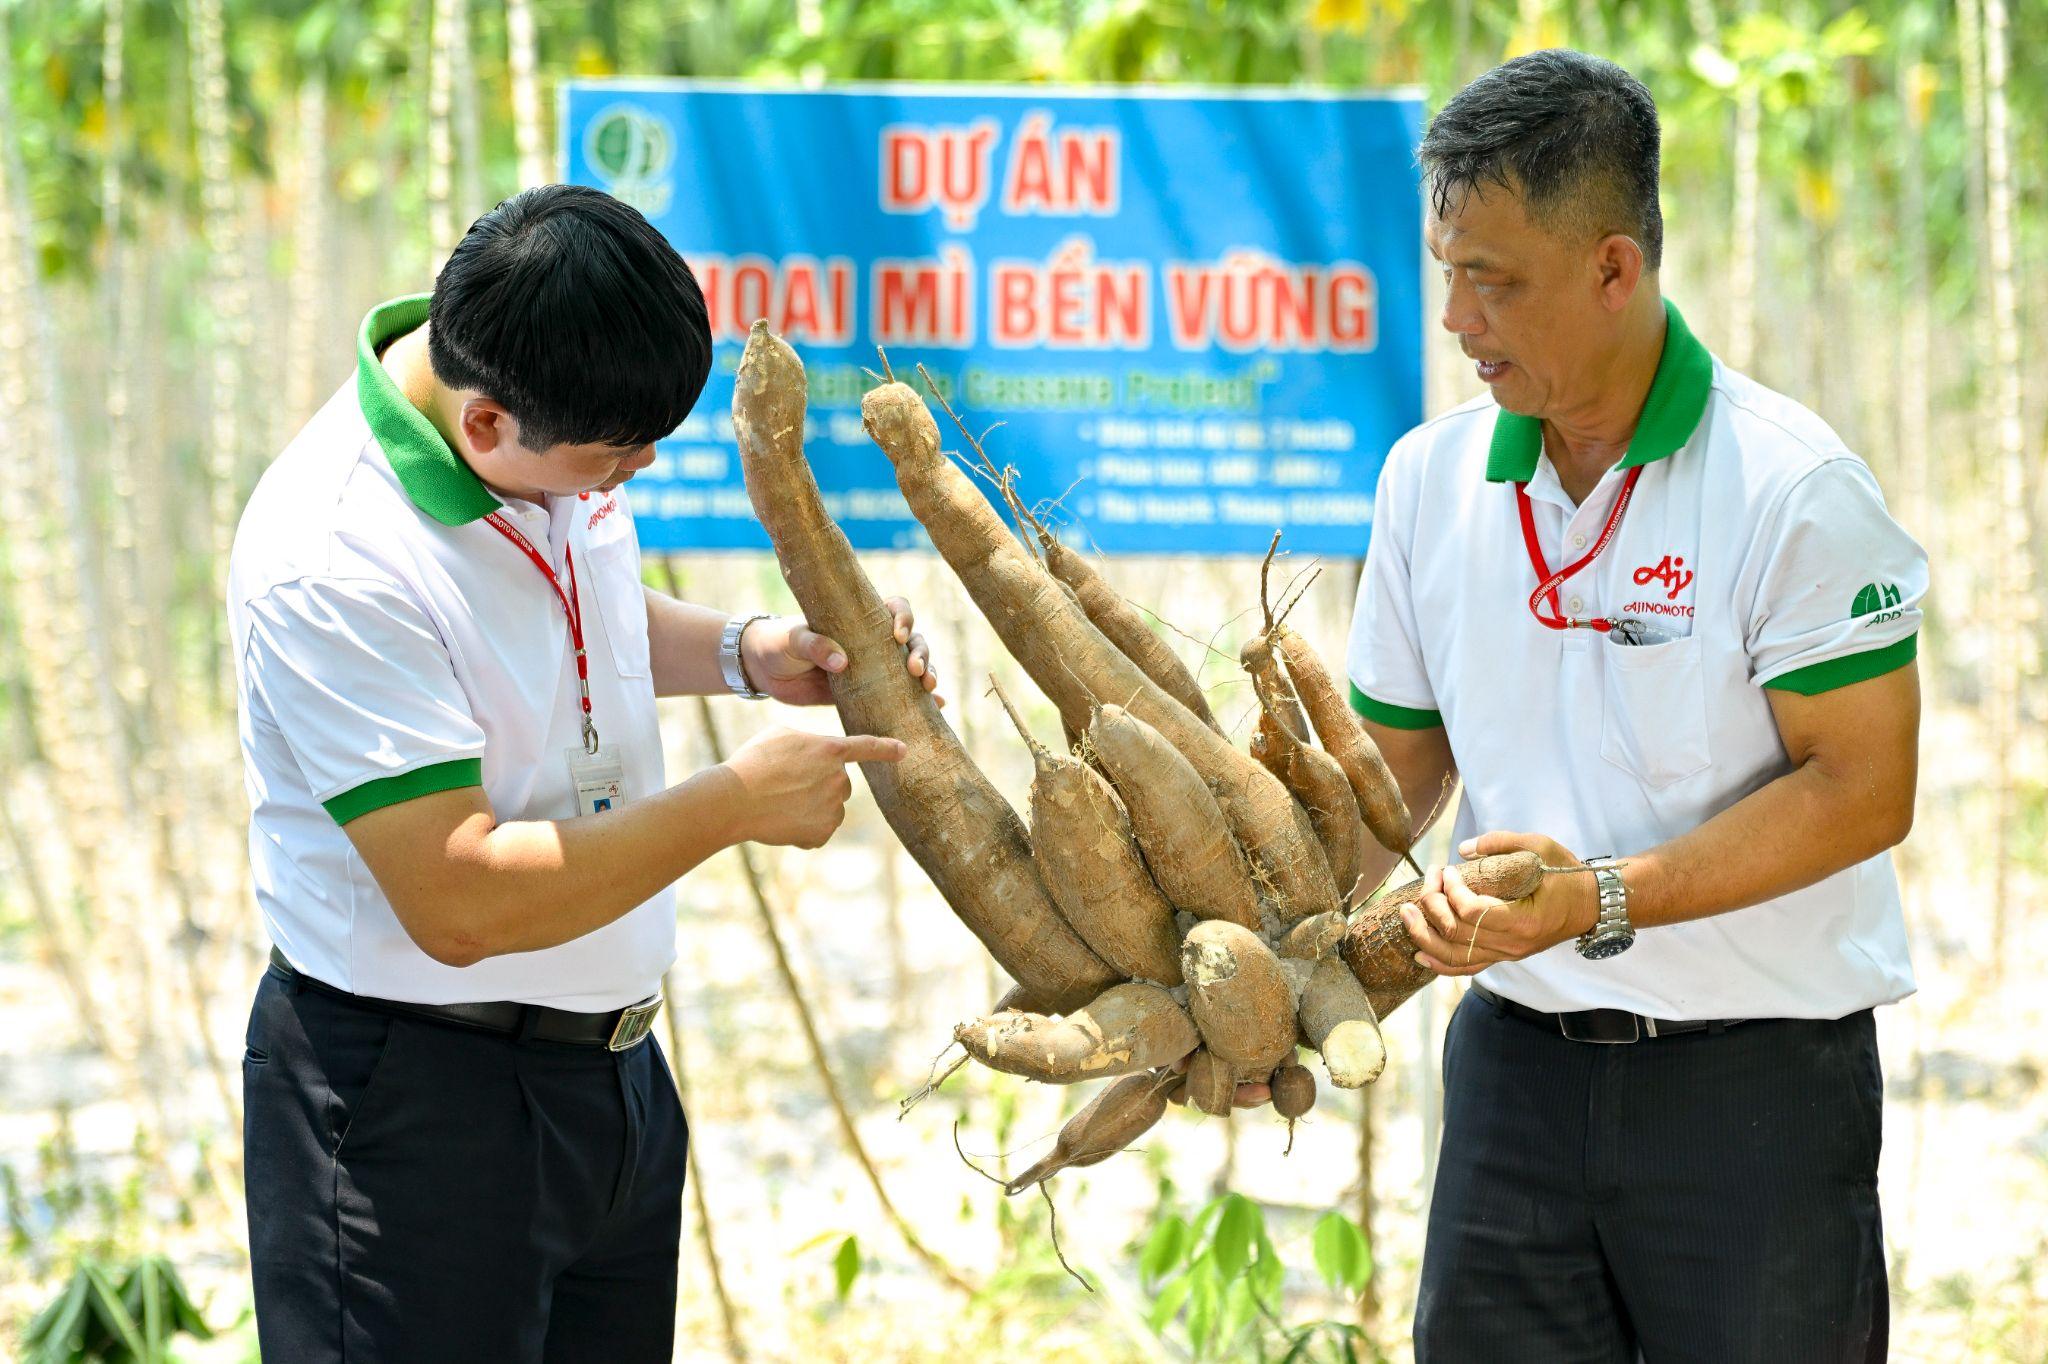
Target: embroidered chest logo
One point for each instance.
(1879, 601)
(611, 504)
(1671, 573)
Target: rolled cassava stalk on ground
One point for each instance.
(1378, 949)
(943, 810)
(1084, 845)
(1178, 824)
(1128, 1028)
(1074, 663)
(1120, 621)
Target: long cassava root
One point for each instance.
(1128, 1028)
(1174, 914)
(1073, 663)
(1378, 949)
(1083, 841)
(1112, 1120)
(944, 811)
(1379, 797)
(1178, 823)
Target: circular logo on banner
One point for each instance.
(630, 151)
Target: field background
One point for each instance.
(199, 200)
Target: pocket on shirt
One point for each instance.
(1656, 720)
(615, 573)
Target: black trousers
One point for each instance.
(425, 1192)
(1703, 1199)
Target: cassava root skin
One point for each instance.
(1112, 1120)
(1071, 660)
(1127, 1028)
(1378, 949)
(943, 810)
(1239, 996)
(1083, 842)
(1211, 1083)
(1294, 1091)
(1314, 779)
(1178, 824)
(1379, 796)
(1125, 627)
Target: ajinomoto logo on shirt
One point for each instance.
(1877, 600)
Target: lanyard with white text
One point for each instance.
(572, 607)
(1547, 582)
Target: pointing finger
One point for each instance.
(872, 748)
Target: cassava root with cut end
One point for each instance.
(1378, 949)
(1338, 1020)
(1315, 779)
(943, 810)
(1125, 627)
(1239, 996)
(1127, 1028)
(1379, 796)
(1082, 839)
(1074, 663)
(1178, 824)
(1124, 1111)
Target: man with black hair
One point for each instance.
(1640, 605)
(462, 1143)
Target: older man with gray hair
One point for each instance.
(1644, 608)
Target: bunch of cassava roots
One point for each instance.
(1179, 916)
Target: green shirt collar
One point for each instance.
(1671, 412)
(433, 475)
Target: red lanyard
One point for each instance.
(572, 607)
(1547, 582)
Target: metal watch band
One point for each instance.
(1613, 897)
(729, 663)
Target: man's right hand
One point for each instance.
(793, 784)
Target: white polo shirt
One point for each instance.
(1760, 542)
(389, 643)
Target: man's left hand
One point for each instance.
(1460, 932)
(793, 663)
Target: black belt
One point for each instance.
(615, 1029)
(1603, 1025)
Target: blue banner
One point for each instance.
(1197, 317)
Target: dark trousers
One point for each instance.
(424, 1192)
(1707, 1199)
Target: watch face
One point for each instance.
(1608, 945)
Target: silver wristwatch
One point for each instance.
(1611, 934)
(729, 657)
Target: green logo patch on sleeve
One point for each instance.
(1876, 598)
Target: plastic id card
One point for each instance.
(599, 779)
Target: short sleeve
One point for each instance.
(1839, 586)
(1389, 684)
(357, 680)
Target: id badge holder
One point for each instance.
(599, 779)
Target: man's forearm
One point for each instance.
(1802, 828)
(529, 884)
(683, 642)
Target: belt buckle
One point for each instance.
(634, 1024)
(1564, 1025)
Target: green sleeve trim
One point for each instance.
(1394, 717)
(1840, 672)
(421, 781)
